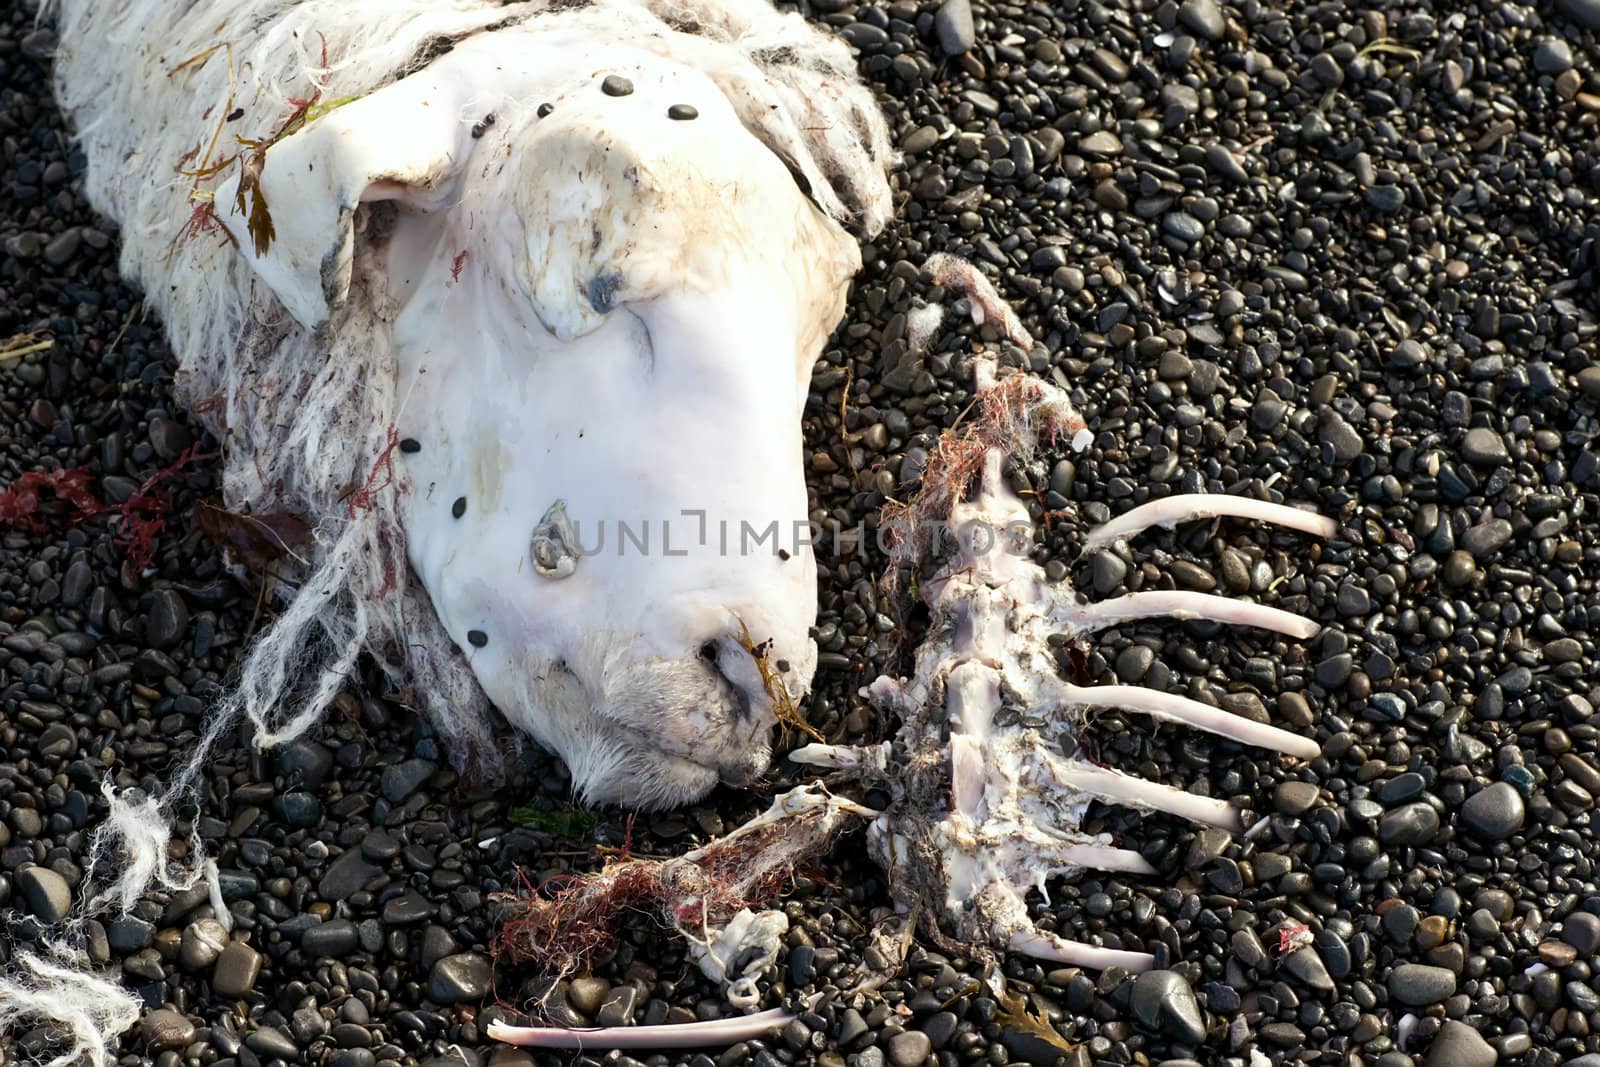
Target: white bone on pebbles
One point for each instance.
(983, 807)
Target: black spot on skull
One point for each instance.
(459, 508)
(603, 291)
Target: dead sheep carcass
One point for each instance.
(516, 306)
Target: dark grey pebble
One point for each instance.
(1101, 143)
(461, 977)
(1583, 12)
(63, 247)
(203, 941)
(1183, 226)
(1106, 571)
(1581, 930)
(1247, 947)
(345, 876)
(1225, 163)
(940, 1028)
(1340, 436)
(436, 945)
(1306, 964)
(1295, 798)
(618, 1007)
(273, 1042)
(1459, 1045)
(1165, 1002)
(1408, 353)
(407, 908)
(588, 994)
(1327, 70)
(167, 621)
(1552, 55)
(852, 1027)
(1413, 824)
(129, 933)
(953, 23)
(169, 438)
(307, 761)
(1486, 538)
(336, 937)
(683, 112)
(1203, 18)
(1417, 985)
(236, 971)
(47, 893)
(166, 1029)
(402, 779)
(1386, 198)
(616, 85)
(1483, 447)
(1495, 812)
(1134, 662)
(909, 1049)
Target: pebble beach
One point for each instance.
(1343, 257)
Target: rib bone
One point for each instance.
(1171, 707)
(1171, 510)
(1183, 605)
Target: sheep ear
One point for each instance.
(291, 208)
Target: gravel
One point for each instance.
(1339, 257)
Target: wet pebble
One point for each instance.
(1459, 1045)
(237, 968)
(1165, 1002)
(953, 23)
(1418, 985)
(1410, 824)
(165, 1030)
(47, 894)
(909, 1049)
(461, 977)
(203, 941)
(1203, 18)
(1495, 812)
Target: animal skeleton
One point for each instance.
(670, 167)
(986, 797)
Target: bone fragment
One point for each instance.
(669, 1035)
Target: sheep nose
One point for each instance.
(738, 673)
